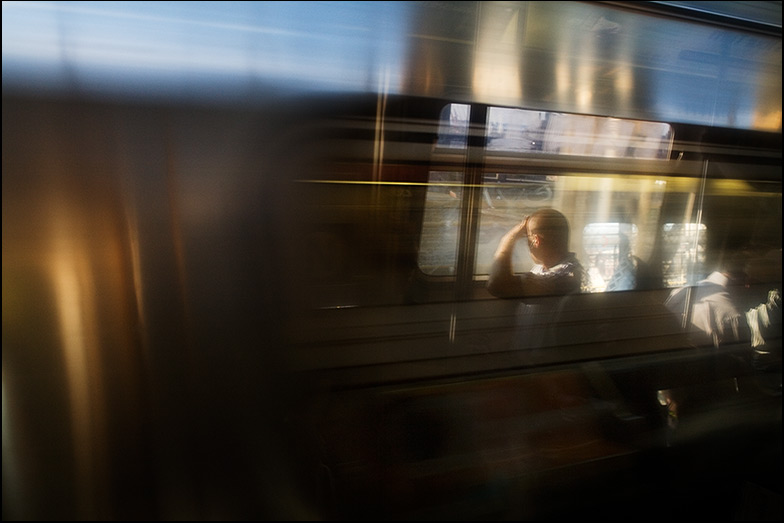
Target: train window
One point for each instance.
(441, 223)
(520, 130)
(443, 200)
(515, 129)
(606, 137)
(510, 189)
(614, 220)
(684, 248)
(453, 126)
(609, 260)
(506, 199)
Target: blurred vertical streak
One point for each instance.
(86, 396)
(74, 295)
(146, 177)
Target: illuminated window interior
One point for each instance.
(610, 261)
(684, 253)
(508, 196)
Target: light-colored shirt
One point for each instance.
(567, 277)
(713, 312)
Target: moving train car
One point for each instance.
(246, 249)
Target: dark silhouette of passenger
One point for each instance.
(557, 270)
(713, 313)
(712, 309)
(546, 288)
(631, 273)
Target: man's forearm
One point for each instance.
(502, 280)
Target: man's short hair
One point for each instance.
(552, 226)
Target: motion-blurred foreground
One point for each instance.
(246, 248)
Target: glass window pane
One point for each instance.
(607, 137)
(507, 199)
(515, 129)
(453, 126)
(610, 261)
(441, 223)
(520, 130)
(684, 253)
(613, 220)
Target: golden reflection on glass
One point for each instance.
(624, 83)
(74, 289)
(767, 113)
(563, 79)
(584, 88)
